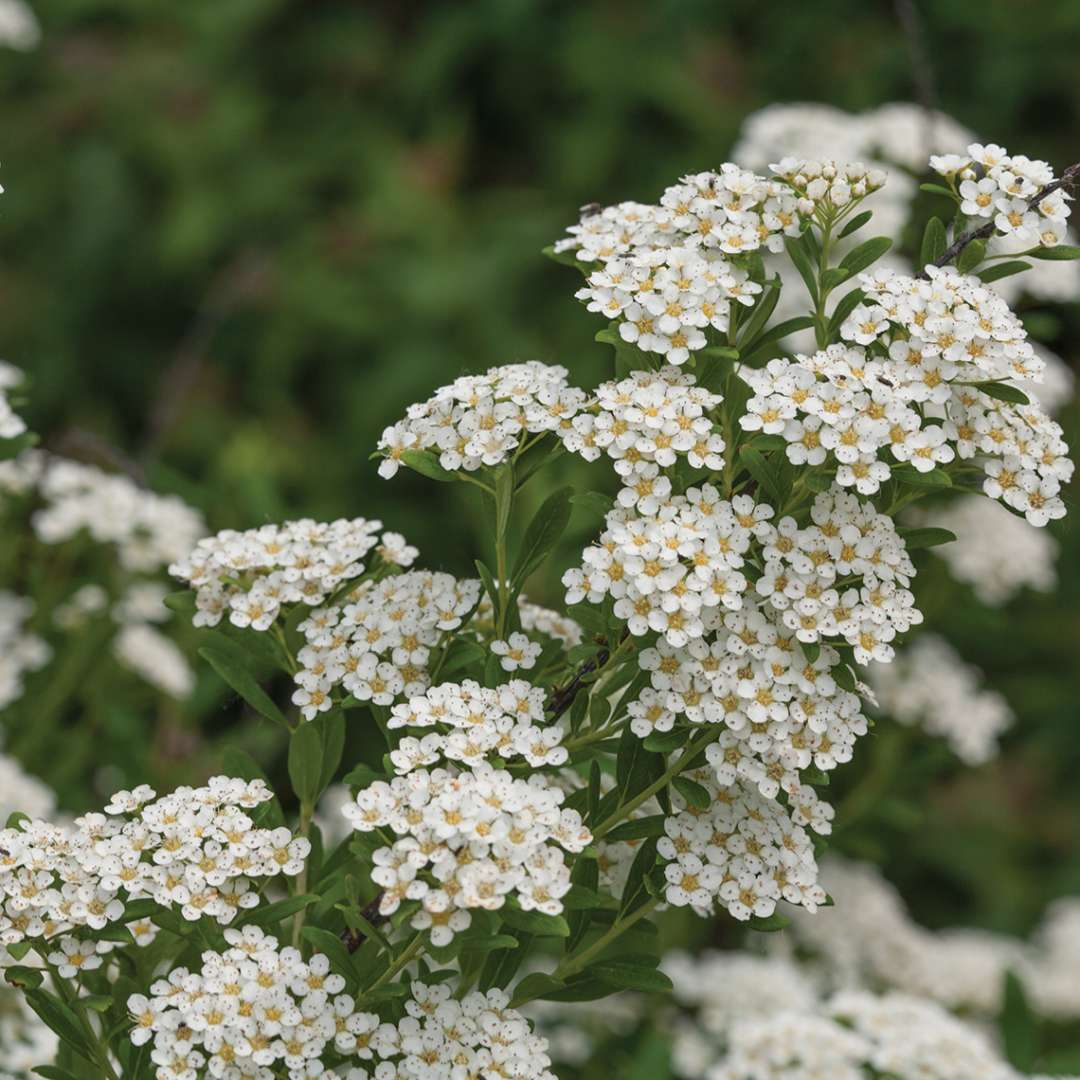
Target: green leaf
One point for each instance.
(692, 792)
(504, 498)
(426, 463)
(533, 986)
(182, 602)
(534, 922)
(54, 1072)
(628, 974)
(915, 539)
(362, 776)
(937, 189)
(1003, 392)
(543, 533)
(488, 580)
(845, 306)
(759, 316)
(637, 829)
(971, 256)
(1019, 1027)
(634, 892)
(663, 742)
(1057, 253)
(231, 666)
(801, 260)
(1003, 270)
(934, 242)
(866, 254)
(306, 763)
(59, 1018)
(594, 502)
(769, 924)
(23, 978)
(778, 333)
(331, 728)
(581, 989)
(760, 469)
(934, 479)
(856, 223)
(278, 911)
(332, 947)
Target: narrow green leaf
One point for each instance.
(638, 828)
(426, 463)
(1057, 253)
(1019, 1027)
(305, 763)
(971, 256)
(937, 189)
(533, 986)
(856, 223)
(663, 742)
(915, 539)
(624, 973)
(279, 911)
(934, 242)
(866, 254)
(801, 260)
(754, 463)
(534, 922)
(543, 533)
(692, 792)
(1003, 392)
(239, 677)
(1003, 270)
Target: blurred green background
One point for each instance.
(241, 236)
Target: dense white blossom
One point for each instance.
(251, 575)
(995, 552)
(148, 530)
(196, 849)
(469, 723)
(150, 654)
(21, 651)
(649, 419)
(483, 419)
(376, 643)
(469, 839)
(928, 684)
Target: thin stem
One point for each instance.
(306, 814)
(410, 952)
(573, 964)
(680, 763)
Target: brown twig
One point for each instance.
(562, 698)
(1067, 179)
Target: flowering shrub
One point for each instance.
(532, 785)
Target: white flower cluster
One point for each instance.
(678, 563)
(995, 552)
(25, 1040)
(146, 651)
(483, 419)
(148, 530)
(646, 421)
(11, 424)
(469, 839)
(666, 272)
(743, 853)
(869, 939)
(20, 651)
(19, 791)
(377, 642)
(992, 183)
(196, 849)
(251, 575)
(930, 685)
(758, 1018)
(473, 722)
(258, 1008)
(534, 619)
(828, 186)
(19, 28)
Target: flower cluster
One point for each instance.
(149, 531)
(995, 552)
(668, 273)
(468, 839)
(870, 939)
(257, 1008)
(196, 849)
(11, 424)
(252, 575)
(473, 722)
(930, 685)
(994, 184)
(646, 422)
(20, 651)
(19, 791)
(534, 619)
(760, 1018)
(676, 565)
(377, 642)
(828, 186)
(742, 853)
(483, 419)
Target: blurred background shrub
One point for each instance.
(241, 236)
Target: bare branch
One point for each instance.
(1067, 179)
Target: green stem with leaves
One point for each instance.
(573, 964)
